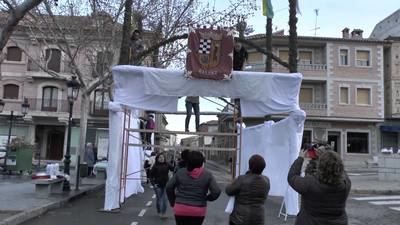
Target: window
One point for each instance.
(305, 57)
(344, 95)
(11, 91)
(306, 95)
(14, 54)
(357, 142)
(53, 59)
(284, 55)
(255, 57)
(101, 100)
(344, 57)
(104, 61)
(363, 96)
(49, 100)
(363, 58)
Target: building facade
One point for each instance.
(342, 90)
(23, 77)
(46, 123)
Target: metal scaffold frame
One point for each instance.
(128, 131)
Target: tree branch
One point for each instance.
(14, 18)
(190, 3)
(263, 51)
(93, 86)
(10, 6)
(160, 44)
(67, 50)
(50, 72)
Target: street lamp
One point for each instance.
(24, 110)
(72, 92)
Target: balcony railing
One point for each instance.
(48, 105)
(313, 67)
(309, 67)
(97, 111)
(313, 106)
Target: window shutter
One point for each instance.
(363, 96)
(53, 58)
(11, 91)
(305, 57)
(284, 55)
(344, 95)
(14, 54)
(255, 57)
(306, 95)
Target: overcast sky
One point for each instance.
(333, 16)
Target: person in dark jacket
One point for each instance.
(323, 195)
(250, 191)
(150, 125)
(189, 190)
(183, 161)
(159, 178)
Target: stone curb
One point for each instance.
(375, 192)
(33, 213)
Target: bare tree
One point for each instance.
(292, 36)
(11, 13)
(87, 34)
(170, 46)
(169, 21)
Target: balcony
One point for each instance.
(48, 105)
(314, 109)
(37, 105)
(276, 67)
(312, 67)
(98, 111)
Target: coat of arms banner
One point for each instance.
(210, 53)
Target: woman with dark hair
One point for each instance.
(183, 161)
(250, 191)
(323, 194)
(189, 190)
(159, 178)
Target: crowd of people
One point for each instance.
(318, 175)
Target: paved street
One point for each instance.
(140, 209)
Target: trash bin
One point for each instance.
(23, 159)
(83, 170)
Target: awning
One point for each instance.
(387, 128)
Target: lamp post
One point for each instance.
(24, 110)
(72, 92)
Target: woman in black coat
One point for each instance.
(159, 174)
(250, 191)
(324, 194)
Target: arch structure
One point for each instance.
(153, 89)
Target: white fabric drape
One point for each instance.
(159, 89)
(260, 93)
(279, 144)
(114, 156)
(134, 159)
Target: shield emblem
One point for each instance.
(209, 52)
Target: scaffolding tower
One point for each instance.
(128, 132)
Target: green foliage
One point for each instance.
(19, 143)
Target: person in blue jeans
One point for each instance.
(159, 178)
(192, 102)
